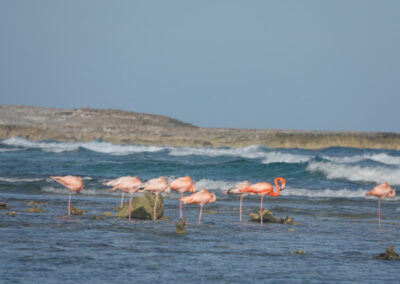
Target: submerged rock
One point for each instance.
(180, 227)
(4, 205)
(389, 254)
(298, 251)
(269, 218)
(107, 214)
(142, 207)
(97, 218)
(77, 211)
(34, 209)
(11, 213)
(35, 203)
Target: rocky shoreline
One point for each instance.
(123, 127)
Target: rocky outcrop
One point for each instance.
(269, 218)
(77, 211)
(34, 209)
(123, 127)
(142, 207)
(389, 254)
(180, 227)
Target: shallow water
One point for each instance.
(325, 193)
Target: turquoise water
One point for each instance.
(325, 193)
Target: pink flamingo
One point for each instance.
(72, 183)
(265, 188)
(202, 197)
(182, 185)
(236, 190)
(115, 182)
(157, 186)
(381, 191)
(129, 185)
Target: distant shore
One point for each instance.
(122, 127)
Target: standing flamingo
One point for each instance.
(202, 197)
(264, 188)
(381, 191)
(182, 185)
(236, 190)
(157, 186)
(129, 185)
(72, 183)
(115, 182)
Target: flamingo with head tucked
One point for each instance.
(157, 186)
(265, 188)
(201, 198)
(115, 182)
(236, 190)
(72, 183)
(182, 185)
(381, 191)
(129, 185)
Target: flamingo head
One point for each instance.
(392, 193)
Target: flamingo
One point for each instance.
(265, 188)
(236, 190)
(381, 191)
(182, 185)
(129, 185)
(72, 183)
(202, 197)
(157, 186)
(115, 182)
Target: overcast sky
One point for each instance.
(313, 65)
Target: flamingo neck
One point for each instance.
(278, 188)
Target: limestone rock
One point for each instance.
(180, 227)
(299, 251)
(77, 211)
(389, 254)
(142, 207)
(11, 213)
(4, 205)
(269, 218)
(35, 203)
(107, 214)
(34, 209)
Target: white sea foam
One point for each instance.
(213, 184)
(383, 158)
(96, 146)
(356, 173)
(11, 179)
(10, 149)
(251, 152)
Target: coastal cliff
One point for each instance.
(123, 127)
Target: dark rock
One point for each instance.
(77, 211)
(389, 254)
(180, 227)
(299, 251)
(97, 218)
(4, 205)
(34, 209)
(11, 213)
(269, 218)
(142, 207)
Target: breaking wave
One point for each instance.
(356, 173)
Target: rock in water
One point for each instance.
(11, 213)
(142, 207)
(4, 205)
(389, 254)
(180, 227)
(34, 209)
(77, 211)
(299, 251)
(269, 218)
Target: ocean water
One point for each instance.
(325, 194)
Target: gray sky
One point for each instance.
(318, 65)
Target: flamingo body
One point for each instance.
(157, 186)
(236, 190)
(72, 183)
(381, 191)
(182, 185)
(201, 198)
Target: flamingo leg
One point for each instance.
(379, 213)
(180, 207)
(201, 210)
(240, 208)
(154, 209)
(69, 204)
(122, 199)
(130, 207)
(261, 210)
